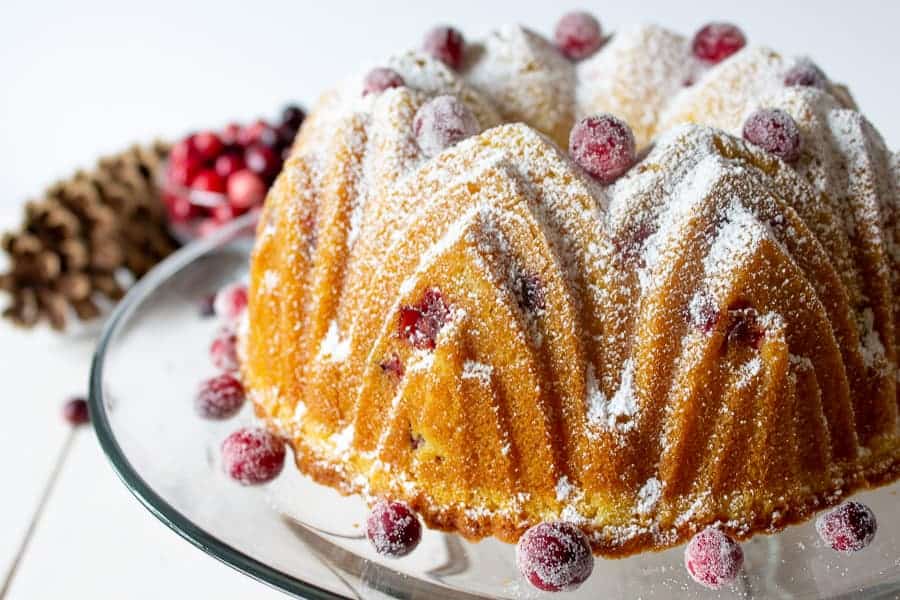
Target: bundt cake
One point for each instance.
(452, 307)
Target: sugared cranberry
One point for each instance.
(713, 559)
(554, 557)
(263, 160)
(75, 411)
(293, 115)
(603, 145)
(250, 134)
(393, 366)
(380, 79)
(717, 41)
(578, 35)
(445, 44)
(223, 351)
(775, 131)
(230, 134)
(806, 74)
(848, 528)
(421, 323)
(208, 145)
(208, 181)
(441, 123)
(219, 397)
(393, 528)
(253, 455)
(530, 292)
(229, 163)
(231, 301)
(246, 189)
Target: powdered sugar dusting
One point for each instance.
(478, 371)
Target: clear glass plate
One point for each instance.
(306, 540)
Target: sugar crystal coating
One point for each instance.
(603, 145)
(713, 559)
(578, 35)
(554, 557)
(393, 529)
(775, 131)
(441, 123)
(717, 41)
(253, 455)
(848, 528)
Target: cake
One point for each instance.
(469, 322)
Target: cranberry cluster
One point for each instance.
(213, 177)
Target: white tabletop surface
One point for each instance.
(81, 78)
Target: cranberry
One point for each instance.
(393, 366)
(223, 350)
(253, 455)
(250, 134)
(219, 397)
(262, 160)
(230, 134)
(208, 145)
(555, 557)
(224, 213)
(775, 131)
(717, 41)
(578, 35)
(75, 411)
(231, 301)
(806, 74)
(180, 208)
(603, 145)
(286, 135)
(393, 528)
(208, 181)
(269, 137)
(229, 163)
(445, 44)
(421, 323)
(182, 172)
(207, 227)
(293, 115)
(713, 559)
(246, 189)
(848, 528)
(442, 122)
(183, 150)
(380, 79)
(530, 292)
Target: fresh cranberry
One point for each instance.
(75, 411)
(380, 79)
(848, 528)
(208, 145)
(246, 189)
(775, 131)
(253, 455)
(717, 41)
(578, 35)
(442, 122)
(262, 160)
(183, 149)
(421, 323)
(554, 557)
(224, 213)
(180, 208)
(293, 115)
(393, 528)
(393, 366)
(713, 559)
(530, 292)
(229, 163)
(806, 74)
(231, 301)
(230, 134)
(250, 134)
(223, 351)
(268, 137)
(182, 172)
(445, 44)
(208, 181)
(219, 397)
(603, 145)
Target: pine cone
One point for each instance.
(84, 237)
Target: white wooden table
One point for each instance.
(81, 78)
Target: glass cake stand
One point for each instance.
(306, 540)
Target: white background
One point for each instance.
(81, 78)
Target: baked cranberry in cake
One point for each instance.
(393, 529)
(253, 455)
(775, 131)
(713, 559)
(219, 397)
(717, 41)
(848, 528)
(744, 327)
(379, 79)
(554, 557)
(393, 366)
(603, 145)
(445, 44)
(421, 323)
(530, 292)
(578, 35)
(442, 122)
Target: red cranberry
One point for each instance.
(293, 115)
(208, 181)
(445, 44)
(75, 411)
(775, 131)
(806, 74)
(848, 528)
(555, 557)
(578, 35)
(219, 397)
(250, 134)
(713, 559)
(717, 41)
(224, 213)
(380, 79)
(393, 366)
(182, 172)
(286, 135)
(227, 164)
(223, 350)
(393, 528)
(603, 145)
(246, 189)
(230, 134)
(208, 145)
(262, 160)
(253, 455)
(231, 301)
(180, 208)
(421, 323)
(183, 149)
(441, 123)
